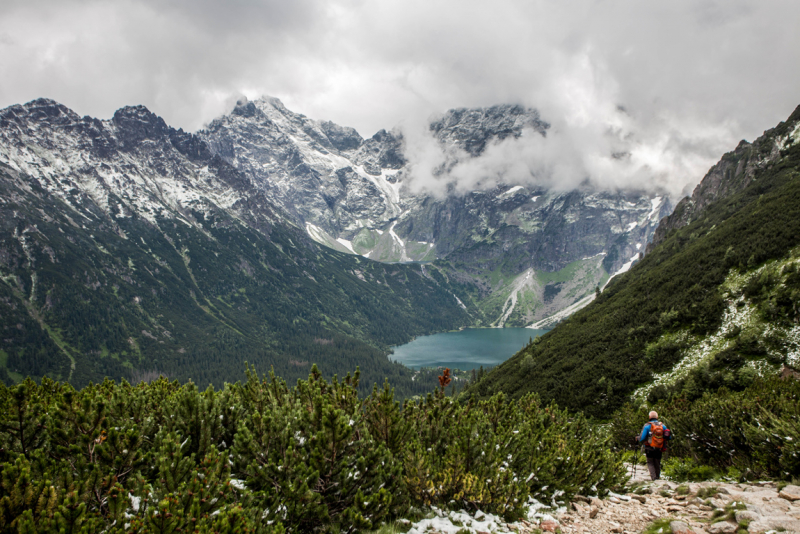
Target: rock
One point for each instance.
(641, 498)
(679, 527)
(723, 527)
(674, 508)
(577, 507)
(790, 493)
(593, 512)
(614, 500)
(479, 515)
(742, 515)
(581, 498)
(549, 525)
(597, 502)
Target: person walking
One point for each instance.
(655, 435)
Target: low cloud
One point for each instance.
(667, 87)
(593, 142)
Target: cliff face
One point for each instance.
(734, 172)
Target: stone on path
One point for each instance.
(549, 526)
(790, 493)
(723, 527)
(679, 527)
(593, 512)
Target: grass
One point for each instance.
(708, 492)
(659, 526)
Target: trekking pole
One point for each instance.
(635, 458)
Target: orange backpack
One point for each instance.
(656, 437)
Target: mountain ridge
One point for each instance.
(127, 245)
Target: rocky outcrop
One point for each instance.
(734, 172)
(471, 129)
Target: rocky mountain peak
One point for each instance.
(137, 123)
(472, 128)
(41, 110)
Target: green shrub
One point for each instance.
(258, 456)
(686, 470)
(753, 433)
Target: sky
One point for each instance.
(638, 93)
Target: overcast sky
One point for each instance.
(672, 84)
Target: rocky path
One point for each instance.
(708, 507)
(694, 508)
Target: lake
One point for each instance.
(466, 349)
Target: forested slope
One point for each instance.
(648, 320)
(126, 247)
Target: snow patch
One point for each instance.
(511, 302)
(510, 193)
(395, 236)
(551, 320)
(655, 204)
(347, 244)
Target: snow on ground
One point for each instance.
(702, 349)
(511, 302)
(551, 320)
(451, 522)
(459, 302)
(632, 225)
(395, 236)
(509, 193)
(317, 234)
(655, 205)
(347, 244)
(625, 268)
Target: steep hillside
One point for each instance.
(715, 303)
(127, 246)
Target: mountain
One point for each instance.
(734, 172)
(524, 252)
(128, 247)
(715, 303)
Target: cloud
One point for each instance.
(693, 77)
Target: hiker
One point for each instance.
(654, 435)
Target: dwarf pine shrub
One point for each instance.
(751, 433)
(261, 456)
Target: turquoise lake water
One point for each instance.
(466, 349)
